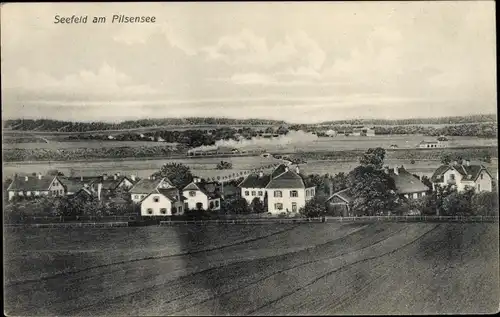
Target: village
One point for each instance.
(277, 190)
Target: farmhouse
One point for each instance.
(338, 204)
(407, 185)
(162, 202)
(462, 176)
(432, 144)
(284, 189)
(145, 186)
(201, 195)
(32, 186)
(363, 131)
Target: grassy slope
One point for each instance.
(330, 268)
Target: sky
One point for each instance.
(302, 62)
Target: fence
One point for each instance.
(87, 219)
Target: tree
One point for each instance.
(224, 165)
(374, 190)
(258, 206)
(236, 205)
(316, 207)
(446, 159)
(485, 204)
(373, 156)
(179, 174)
(54, 172)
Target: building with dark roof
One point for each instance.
(34, 186)
(145, 186)
(463, 175)
(283, 189)
(162, 202)
(338, 204)
(407, 185)
(201, 195)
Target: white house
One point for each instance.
(432, 144)
(201, 196)
(162, 202)
(331, 133)
(33, 186)
(145, 186)
(363, 131)
(284, 189)
(462, 176)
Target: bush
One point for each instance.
(485, 204)
(315, 207)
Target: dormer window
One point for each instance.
(156, 199)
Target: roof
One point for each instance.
(406, 183)
(288, 179)
(32, 184)
(278, 170)
(230, 190)
(170, 193)
(145, 186)
(429, 142)
(343, 194)
(470, 172)
(254, 181)
(74, 184)
(209, 189)
(85, 191)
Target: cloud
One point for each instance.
(106, 80)
(248, 48)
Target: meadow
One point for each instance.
(94, 144)
(378, 268)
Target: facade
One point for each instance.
(35, 186)
(284, 190)
(462, 176)
(432, 144)
(363, 131)
(145, 186)
(201, 196)
(162, 202)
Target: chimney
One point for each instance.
(396, 170)
(25, 178)
(81, 178)
(297, 170)
(99, 188)
(286, 168)
(104, 177)
(132, 177)
(39, 175)
(196, 180)
(467, 162)
(118, 174)
(464, 162)
(261, 174)
(86, 185)
(115, 177)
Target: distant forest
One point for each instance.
(69, 126)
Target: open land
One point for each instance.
(392, 268)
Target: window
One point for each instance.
(199, 206)
(247, 193)
(278, 206)
(278, 193)
(307, 192)
(481, 176)
(253, 192)
(55, 183)
(136, 196)
(163, 211)
(211, 204)
(216, 204)
(150, 211)
(156, 199)
(192, 193)
(452, 177)
(260, 193)
(294, 193)
(174, 210)
(478, 187)
(294, 207)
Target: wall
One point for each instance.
(485, 183)
(163, 202)
(250, 198)
(198, 198)
(56, 188)
(286, 200)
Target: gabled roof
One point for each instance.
(254, 181)
(469, 173)
(74, 184)
(170, 193)
(343, 194)
(85, 191)
(278, 170)
(32, 184)
(406, 183)
(145, 186)
(209, 189)
(288, 179)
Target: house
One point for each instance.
(463, 175)
(432, 144)
(338, 204)
(284, 189)
(331, 133)
(201, 195)
(393, 146)
(146, 186)
(33, 186)
(363, 131)
(113, 182)
(407, 185)
(162, 202)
